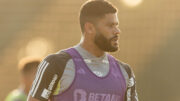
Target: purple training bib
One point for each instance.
(86, 86)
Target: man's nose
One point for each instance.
(117, 31)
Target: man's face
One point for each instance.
(107, 31)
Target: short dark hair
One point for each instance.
(28, 64)
(94, 9)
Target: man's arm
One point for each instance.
(131, 90)
(131, 94)
(47, 77)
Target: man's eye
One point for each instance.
(111, 25)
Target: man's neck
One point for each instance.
(91, 48)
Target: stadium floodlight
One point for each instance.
(132, 3)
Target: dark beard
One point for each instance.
(103, 43)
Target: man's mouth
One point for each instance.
(115, 38)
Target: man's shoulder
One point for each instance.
(59, 56)
(57, 61)
(125, 66)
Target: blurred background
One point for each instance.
(149, 42)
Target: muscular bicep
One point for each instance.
(131, 89)
(45, 80)
(47, 77)
(131, 94)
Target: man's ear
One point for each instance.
(89, 27)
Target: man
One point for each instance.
(86, 72)
(27, 68)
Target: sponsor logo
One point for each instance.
(131, 82)
(82, 95)
(50, 87)
(46, 93)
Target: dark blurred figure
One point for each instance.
(27, 68)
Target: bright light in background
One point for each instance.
(37, 47)
(132, 3)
